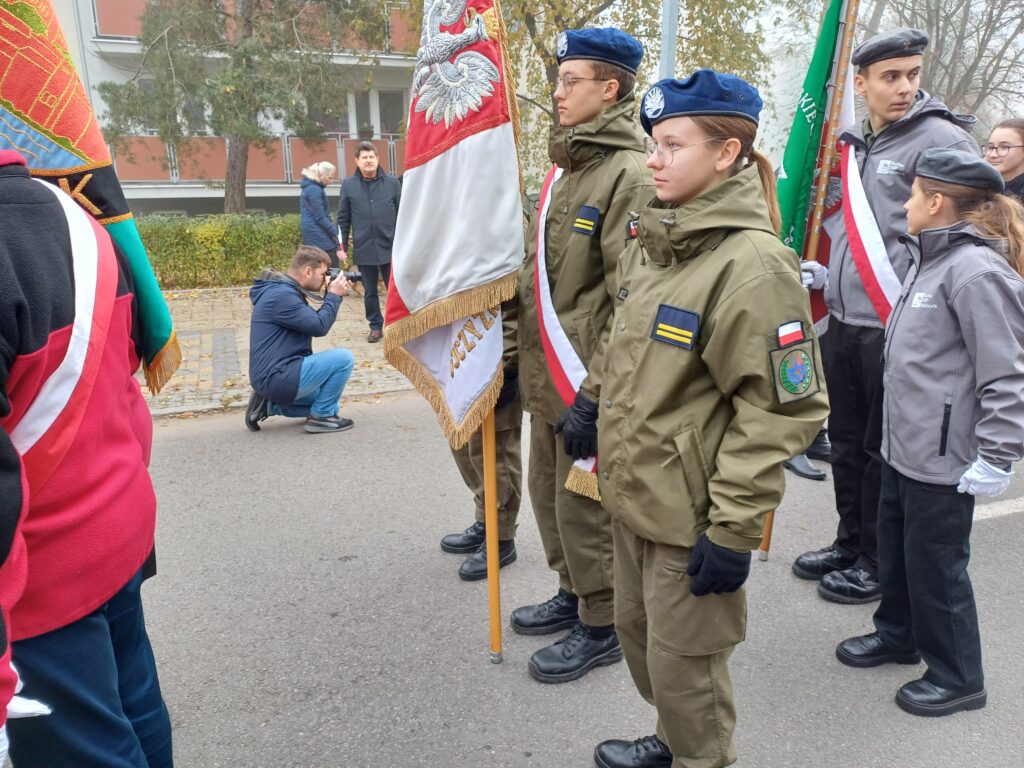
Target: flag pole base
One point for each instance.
(496, 657)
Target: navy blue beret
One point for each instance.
(958, 167)
(890, 45)
(705, 92)
(610, 45)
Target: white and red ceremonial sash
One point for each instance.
(46, 430)
(567, 370)
(865, 239)
(459, 237)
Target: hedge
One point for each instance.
(215, 251)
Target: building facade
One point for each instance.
(103, 39)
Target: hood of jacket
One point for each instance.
(268, 280)
(306, 182)
(935, 244)
(672, 233)
(925, 105)
(615, 128)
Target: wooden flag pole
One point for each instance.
(491, 524)
(829, 135)
(766, 537)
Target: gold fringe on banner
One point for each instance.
(582, 483)
(164, 364)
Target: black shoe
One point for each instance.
(801, 467)
(257, 410)
(814, 565)
(560, 612)
(474, 567)
(852, 586)
(464, 543)
(334, 423)
(574, 655)
(926, 699)
(821, 448)
(648, 752)
(871, 651)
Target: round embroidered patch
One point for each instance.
(795, 372)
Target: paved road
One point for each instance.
(304, 617)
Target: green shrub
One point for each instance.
(216, 251)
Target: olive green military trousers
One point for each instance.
(677, 647)
(575, 530)
(508, 434)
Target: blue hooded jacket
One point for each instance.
(281, 334)
(314, 220)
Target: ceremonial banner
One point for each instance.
(459, 236)
(46, 116)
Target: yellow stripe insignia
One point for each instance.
(675, 326)
(586, 220)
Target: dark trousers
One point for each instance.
(371, 298)
(924, 545)
(98, 676)
(852, 357)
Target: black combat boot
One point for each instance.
(576, 654)
(464, 543)
(648, 752)
(474, 567)
(560, 612)
(814, 565)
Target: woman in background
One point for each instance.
(317, 227)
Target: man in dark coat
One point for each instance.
(366, 218)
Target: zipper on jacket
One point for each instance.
(947, 410)
(890, 332)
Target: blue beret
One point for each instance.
(705, 92)
(958, 167)
(890, 45)
(609, 45)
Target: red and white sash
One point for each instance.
(566, 369)
(48, 427)
(866, 243)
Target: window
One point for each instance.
(392, 112)
(333, 117)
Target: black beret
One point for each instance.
(610, 45)
(958, 167)
(890, 45)
(705, 92)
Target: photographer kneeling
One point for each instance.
(287, 378)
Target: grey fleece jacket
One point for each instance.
(954, 359)
(887, 171)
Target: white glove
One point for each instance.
(3, 743)
(813, 274)
(982, 479)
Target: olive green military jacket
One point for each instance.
(701, 401)
(605, 176)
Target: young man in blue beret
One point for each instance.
(867, 265)
(573, 246)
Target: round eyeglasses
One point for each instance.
(666, 150)
(999, 150)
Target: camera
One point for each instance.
(351, 276)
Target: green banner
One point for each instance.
(802, 146)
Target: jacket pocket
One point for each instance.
(583, 326)
(696, 471)
(947, 412)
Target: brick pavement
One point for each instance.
(213, 329)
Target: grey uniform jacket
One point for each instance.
(954, 359)
(887, 172)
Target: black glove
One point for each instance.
(579, 427)
(716, 569)
(509, 389)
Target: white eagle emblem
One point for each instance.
(654, 102)
(563, 44)
(447, 88)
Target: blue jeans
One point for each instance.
(371, 297)
(98, 675)
(321, 381)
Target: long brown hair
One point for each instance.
(992, 214)
(745, 131)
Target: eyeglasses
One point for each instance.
(1000, 150)
(568, 81)
(667, 151)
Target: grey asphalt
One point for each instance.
(304, 616)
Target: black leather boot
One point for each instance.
(464, 543)
(801, 467)
(574, 655)
(648, 752)
(851, 586)
(926, 699)
(560, 612)
(814, 565)
(474, 567)
(820, 449)
(871, 651)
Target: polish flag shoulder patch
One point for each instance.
(791, 333)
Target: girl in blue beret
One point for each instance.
(711, 380)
